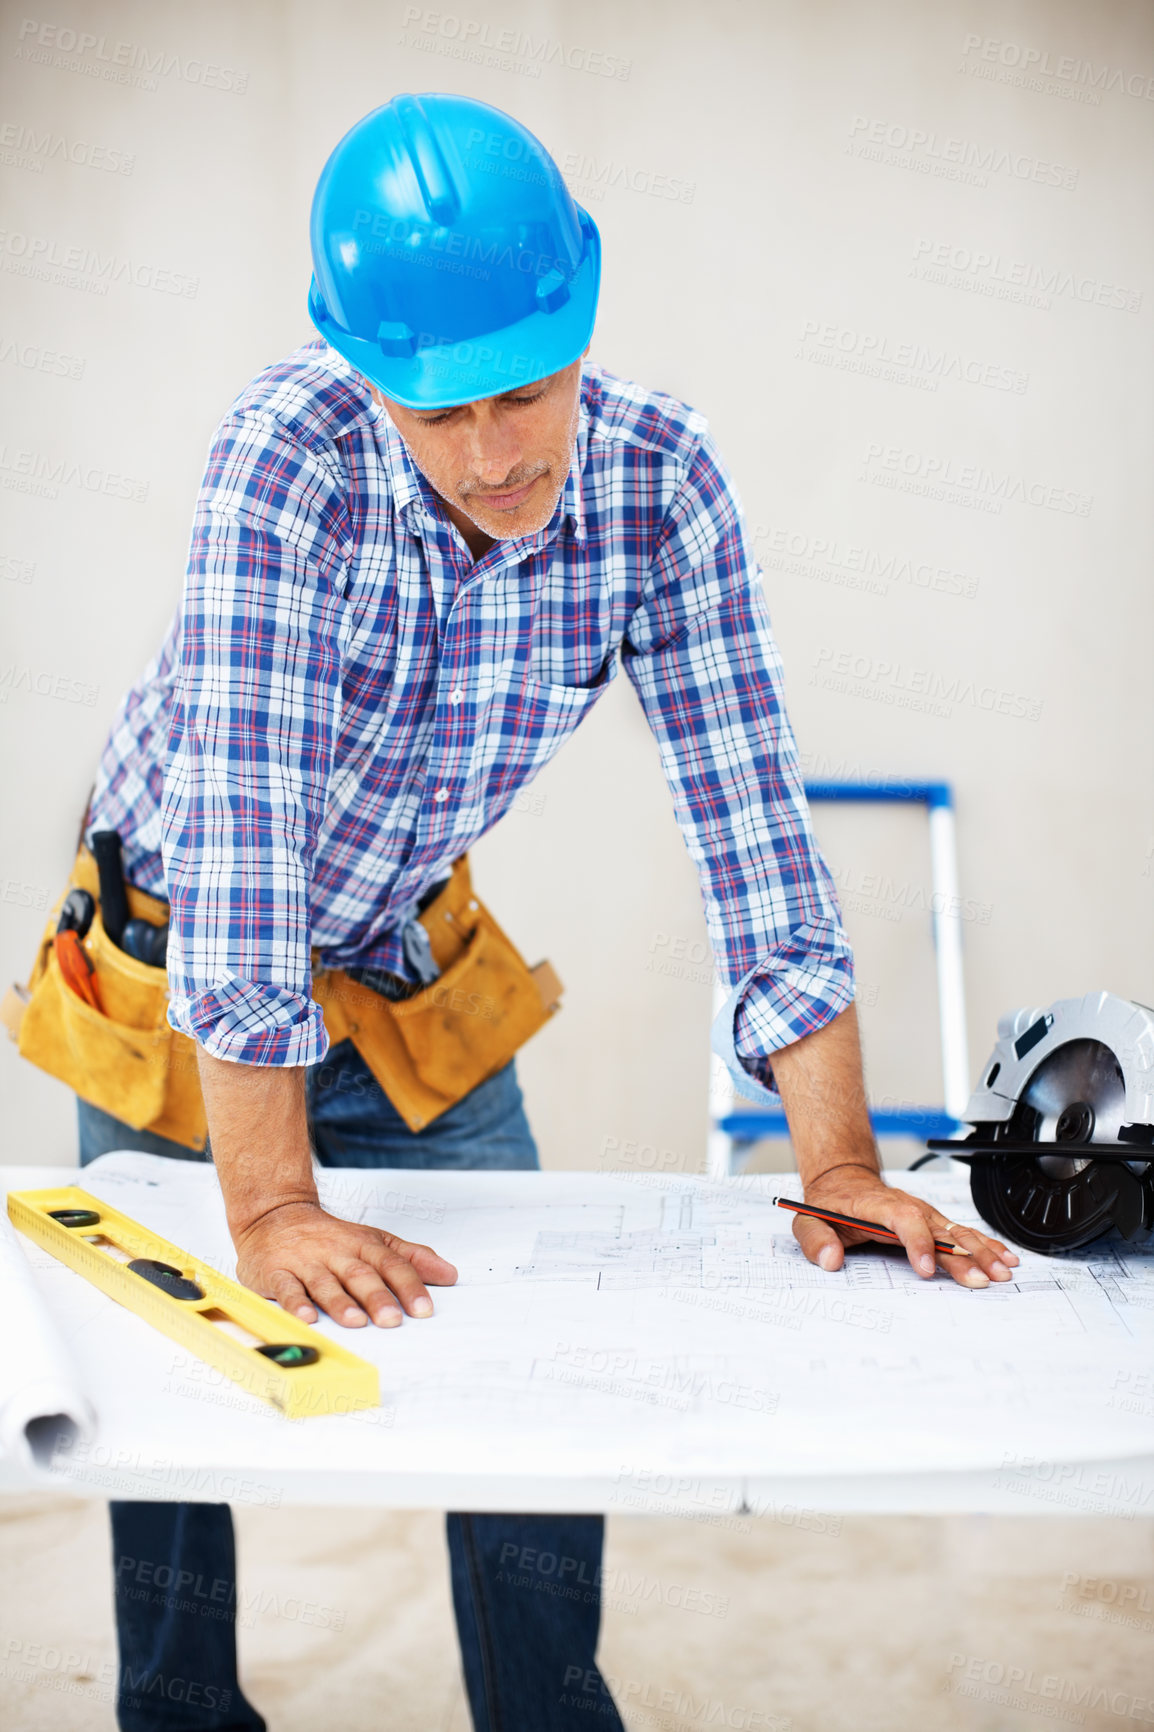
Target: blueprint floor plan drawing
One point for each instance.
(608, 1325)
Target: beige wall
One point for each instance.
(777, 181)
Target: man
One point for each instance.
(421, 546)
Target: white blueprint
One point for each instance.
(628, 1327)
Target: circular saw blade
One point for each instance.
(1080, 1073)
(1076, 1095)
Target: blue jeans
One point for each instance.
(522, 1638)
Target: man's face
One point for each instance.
(502, 461)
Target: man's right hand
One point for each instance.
(287, 1247)
(308, 1260)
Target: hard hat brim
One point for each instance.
(442, 376)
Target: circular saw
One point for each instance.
(1062, 1146)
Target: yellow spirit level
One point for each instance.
(248, 1338)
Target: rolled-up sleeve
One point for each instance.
(251, 745)
(701, 655)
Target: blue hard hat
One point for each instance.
(450, 261)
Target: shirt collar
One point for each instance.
(407, 485)
(573, 493)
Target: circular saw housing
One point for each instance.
(1062, 1150)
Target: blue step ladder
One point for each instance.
(734, 1131)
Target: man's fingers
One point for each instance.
(327, 1292)
(351, 1297)
(917, 1236)
(988, 1255)
(918, 1226)
(819, 1242)
(366, 1286)
(951, 1230)
(918, 1232)
(284, 1287)
(980, 1267)
(965, 1271)
(427, 1262)
(398, 1273)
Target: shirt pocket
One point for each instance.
(538, 717)
(577, 661)
(567, 701)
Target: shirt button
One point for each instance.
(441, 794)
(456, 695)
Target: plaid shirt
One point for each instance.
(345, 702)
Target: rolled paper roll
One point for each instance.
(44, 1408)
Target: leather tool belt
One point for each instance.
(426, 1051)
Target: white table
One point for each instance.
(648, 1344)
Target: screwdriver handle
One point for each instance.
(113, 894)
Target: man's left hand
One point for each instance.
(852, 1190)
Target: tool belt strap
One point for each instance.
(430, 1050)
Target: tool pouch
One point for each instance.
(127, 1061)
(428, 1051)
